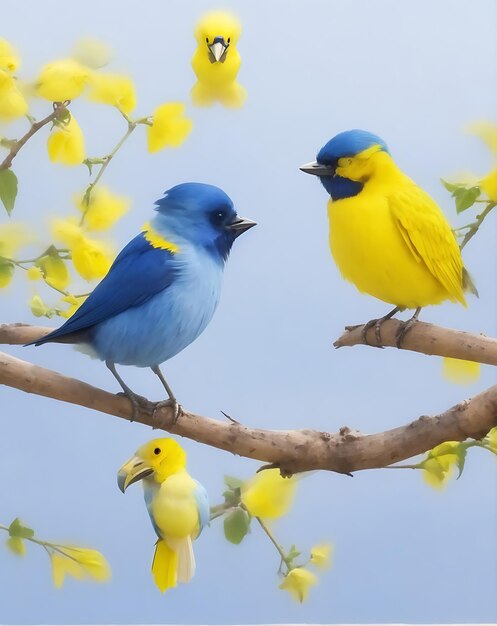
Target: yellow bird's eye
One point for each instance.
(207, 40)
(229, 39)
(157, 451)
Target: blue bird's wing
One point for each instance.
(202, 500)
(139, 272)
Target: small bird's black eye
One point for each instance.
(220, 216)
(229, 39)
(157, 451)
(207, 40)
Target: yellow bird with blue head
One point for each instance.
(388, 237)
(216, 61)
(177, 504)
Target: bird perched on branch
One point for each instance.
(388, 237)
(162, 289)
(177, 504)
(216, 61)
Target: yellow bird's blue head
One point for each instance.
(218, 31)
(345, 163)
(203, 215)
(156, 460)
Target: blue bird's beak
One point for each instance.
(217, 50)
(318, 169)
(240, 225)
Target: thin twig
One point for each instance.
(59, 107)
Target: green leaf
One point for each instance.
(7, 269)
(16, 545)
(465, 197)
(17, 529)
(8, 189)
(232, 482)
(450, 186)
(461, 458)
(293, 554)
(236, 526)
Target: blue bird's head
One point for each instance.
(201, 214)
(346, 162)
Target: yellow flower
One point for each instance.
(34, 273)
(321, 555)
(488, 185)
(298, 582)
(268, 495)
(439, 463)
(460, 371)
(8, 56)
(38, 307)
(66, 143)
(79, 563)
(55, 271)
(492, 439)
(113, 89)
(103, 210)
(92, 259)
(487, 132)
(12, 237)
(169, 127)
(6, 272)
(67, 230)
(62, 80)
(92, 53)
(12, 102)
(74, 302)
(16, 545)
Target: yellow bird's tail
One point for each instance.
(165, 566)
(174, 562)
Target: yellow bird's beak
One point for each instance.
(218, 49)
(131, 472)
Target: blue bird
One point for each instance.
(163, 288)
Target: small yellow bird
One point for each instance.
(216, 61)
(177, 504)
(388, 237)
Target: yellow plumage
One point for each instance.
(392, 240)
(177, 504)
(216, 61)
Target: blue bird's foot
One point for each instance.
(137, 402)
(405, 327)
(173, 404)
(377, 324)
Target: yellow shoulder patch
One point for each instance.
(157, 241)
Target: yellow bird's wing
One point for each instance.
(429, 237)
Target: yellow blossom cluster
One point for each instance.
(488, 133)
(100, 210)
(80, 563)
(12, 102)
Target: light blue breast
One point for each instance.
(152, 333)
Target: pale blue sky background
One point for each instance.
(414, 72)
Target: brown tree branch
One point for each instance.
(428, 339)
(58, 109)
(292, 450)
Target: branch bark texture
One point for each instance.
(428, 339)
(292, 450)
